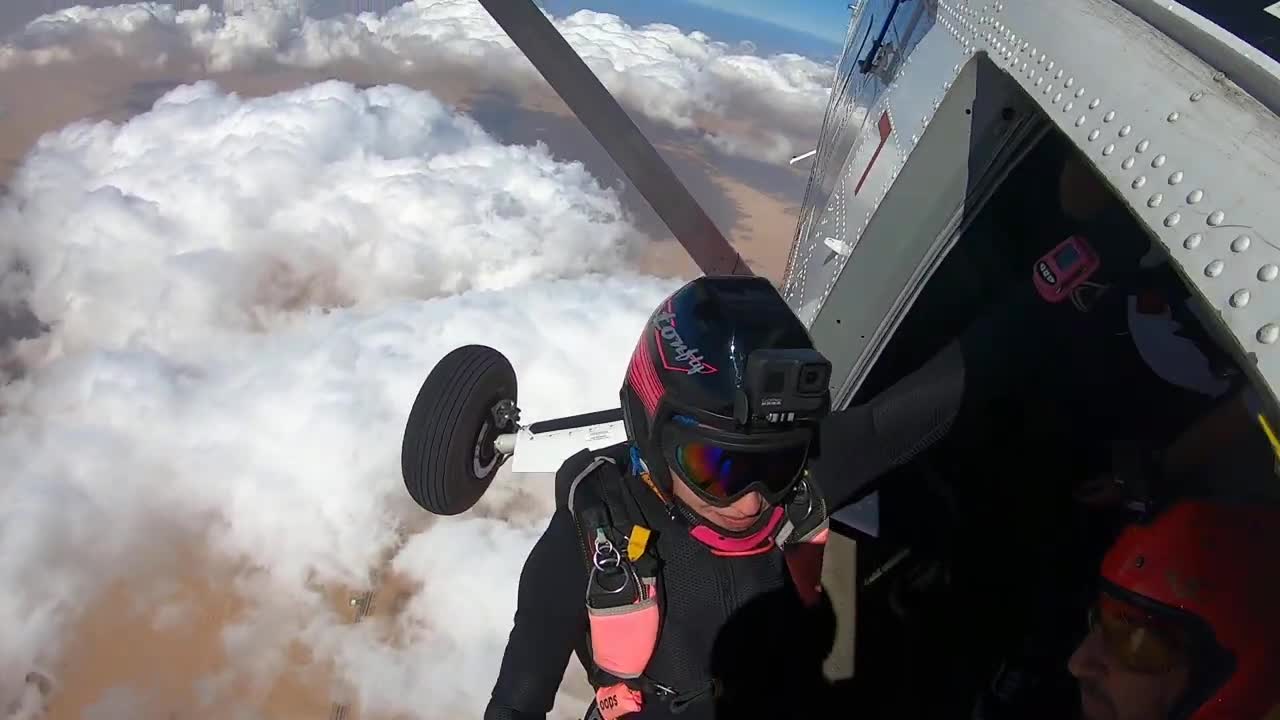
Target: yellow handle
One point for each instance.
(636, 545)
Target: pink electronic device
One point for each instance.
(1065, 268)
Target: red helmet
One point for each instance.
(1211, 566)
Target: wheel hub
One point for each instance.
(503, 417)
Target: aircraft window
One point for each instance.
(1075, 415)
(869, 59)
(865, 36)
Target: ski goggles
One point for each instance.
(721, 468)
(1139, 640)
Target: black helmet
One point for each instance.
(725, 391)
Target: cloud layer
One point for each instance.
(767, 108)
(242, 299)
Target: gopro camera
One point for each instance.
(782, 386)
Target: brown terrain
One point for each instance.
(121, 646)
(754, 204)
(115, 644)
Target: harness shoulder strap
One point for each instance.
(596, 499)
(573, 469)
(621, 594)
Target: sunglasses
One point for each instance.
(1137, 639)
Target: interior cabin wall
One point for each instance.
(989, 542)
(1060, 355)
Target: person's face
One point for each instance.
(1111, 691)
(738, 516)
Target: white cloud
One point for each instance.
(318, 197)
(764, 107)
(244, 297)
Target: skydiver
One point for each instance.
(657, 542)
(1185, 626)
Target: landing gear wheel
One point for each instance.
(448, 457)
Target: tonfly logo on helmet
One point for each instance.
(665, 327)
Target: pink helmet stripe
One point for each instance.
(644, 378)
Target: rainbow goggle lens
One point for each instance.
(722, 471)
(1137, 639)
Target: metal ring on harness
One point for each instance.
(607, 559)
(629, 574)
(606, 556)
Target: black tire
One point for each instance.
(447, 458)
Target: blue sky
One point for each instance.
(808, 27)
(826, 19)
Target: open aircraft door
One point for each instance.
(935, 100)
